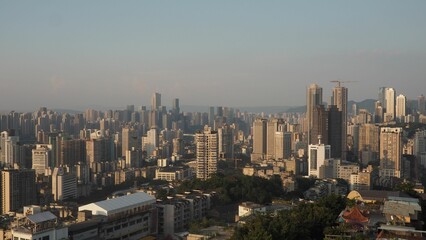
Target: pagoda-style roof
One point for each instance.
(354, 216)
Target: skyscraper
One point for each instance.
(401, 104)
(155, 101)
(313, 99)
(381, 96)
(320, 125)
(272, 126)
(390, 104)
(226, 143)
(340, 99)
(259, 139)
(129, 140)
(390, 151)
(207, 153)
(41, 157)
(336, 139)
(368, 143)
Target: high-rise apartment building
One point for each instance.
(390, 151)
(400, 111)
(340, 100)
(368, 143)
(206, 153)
(64, 184)
(317, 155)
(381, 96)
(313, 99)
(282, 145)
(419, 147)
(390, 104)
(259, 139)
(129, 140)
(378, 112)
(11, 150)
(272, 126)
(336, 139)
(155, 101)
(18, 189)
(41, 157)
(99, 150)
(151, 141)
(320, 125)
(226, 141)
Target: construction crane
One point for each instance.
(340, 82)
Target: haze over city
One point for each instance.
(79, 54)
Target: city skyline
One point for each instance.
(77, 55)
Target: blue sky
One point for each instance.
(76, 54)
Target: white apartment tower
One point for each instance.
(390, 104)
(401, 103)
(207, 153)
(317, 155)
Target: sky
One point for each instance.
(80, 54)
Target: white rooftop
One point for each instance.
(119, 204)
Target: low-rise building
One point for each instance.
(131, 216)
(42, 225)
(174, 173)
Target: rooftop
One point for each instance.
(118, 204)
(41, 217)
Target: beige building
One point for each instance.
(18, 189)
(390, 152)
(259, 140)
(207, 153)
(41, 157)
(368, 143)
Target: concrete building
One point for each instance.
(206, 153)
(317, 155)
(419, 147)
(282, 145)
(41, 157)
(390, 152)
(171, 174)
(390, 104)
(368, 143)
(340, 100)
(175, 215)
(259, 140)
(64, 184)
(155, 101)
(131, 216)
(18, 189)
(313, 99)
(41, 226)
(226, 141)
(400, 110)
(129, 140)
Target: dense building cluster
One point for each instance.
(51, 158)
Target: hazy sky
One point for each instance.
(76, 54)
